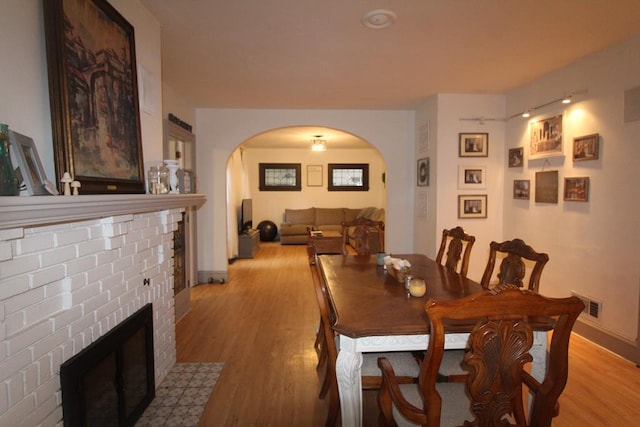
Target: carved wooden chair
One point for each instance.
(499, 350)
(454, 241)
(362, 234)
(404, 362)
(512, 267)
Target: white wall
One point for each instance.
(268, 205)
(593, 246)
(220, 131)
(444, 113)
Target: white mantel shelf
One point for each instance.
(24, 211)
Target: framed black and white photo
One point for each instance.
(473, 144)
(423, 172)
(31, 175)
(521, 189)
(516, 157)
(545, 137)
(472, 206)
(472, 177)
(585, 148)
(576, 189)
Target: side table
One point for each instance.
(248, 244)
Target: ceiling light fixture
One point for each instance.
(526, 114)
(566, 99)
(378, 19)
(318, 144)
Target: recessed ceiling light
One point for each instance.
(378, 19)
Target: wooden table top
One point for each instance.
(369, 302)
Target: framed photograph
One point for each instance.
(547, 187)
(186, 183)
(576, 189)
(546, 137)
(314, 175)
(470, 177)
(280, 177)
(31, 175)
(423, 172)
(472, 206)
(474, 144)
(516, 157)
(521, 189)
(93, 92)
(585, 147)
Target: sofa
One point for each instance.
(296, 222)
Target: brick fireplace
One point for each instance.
(71, 268)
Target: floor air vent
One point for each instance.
(592, 308)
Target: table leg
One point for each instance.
(349, 379)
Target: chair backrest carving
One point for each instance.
(498, 352)
(512, 267)
(457, 241)
(362, 233)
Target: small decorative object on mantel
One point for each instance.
(8, 180)
(397, 268)
(76, 185)
(67, 180)
(173, 167)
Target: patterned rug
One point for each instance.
(182, 396)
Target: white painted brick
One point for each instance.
(99, 273)
(4, 397)
(69, 237)
(133, 236)
(49, 228)
(45, 372)
(116, 219)
(43, 310)
(30, 378)
(11, 234)
(13, 286)
(18, 412)
(122, 263)
(6, 252)
(23, 300)
(28, 337)
(64, 318)
(92, 304)
(114, 242)
(55, 288)
(90, 247)
(107, 256)
(19, 265)
(96, 231)
(47, 275)
(15, 363)
(35, 243)
(14, 323)
(114, 230)
(47, 414)
(75, 282)
(82, 294)
(16, 388)
(54, 340)
(57, 256)
(78, 327)
(81, 265)
(108, 309)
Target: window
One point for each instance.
(348, 177)
(280, 177)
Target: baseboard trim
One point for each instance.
(617, 345)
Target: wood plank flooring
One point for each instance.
(262, 322)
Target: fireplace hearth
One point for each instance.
(111, 382)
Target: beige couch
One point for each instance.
(293, 229)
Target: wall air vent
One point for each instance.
(592, 308)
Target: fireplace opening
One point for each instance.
(111, 382)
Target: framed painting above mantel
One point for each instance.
(93, 92)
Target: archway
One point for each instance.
(292, 145)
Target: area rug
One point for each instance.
(182, 396)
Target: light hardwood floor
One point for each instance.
(262, 322)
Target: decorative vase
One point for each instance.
(173, 167)
(8, 180)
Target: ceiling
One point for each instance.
(302, 54)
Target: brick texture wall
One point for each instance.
(63, 286)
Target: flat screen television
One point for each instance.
(246, 215)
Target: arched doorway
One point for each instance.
(293, 145)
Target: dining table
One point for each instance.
(375, 313)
